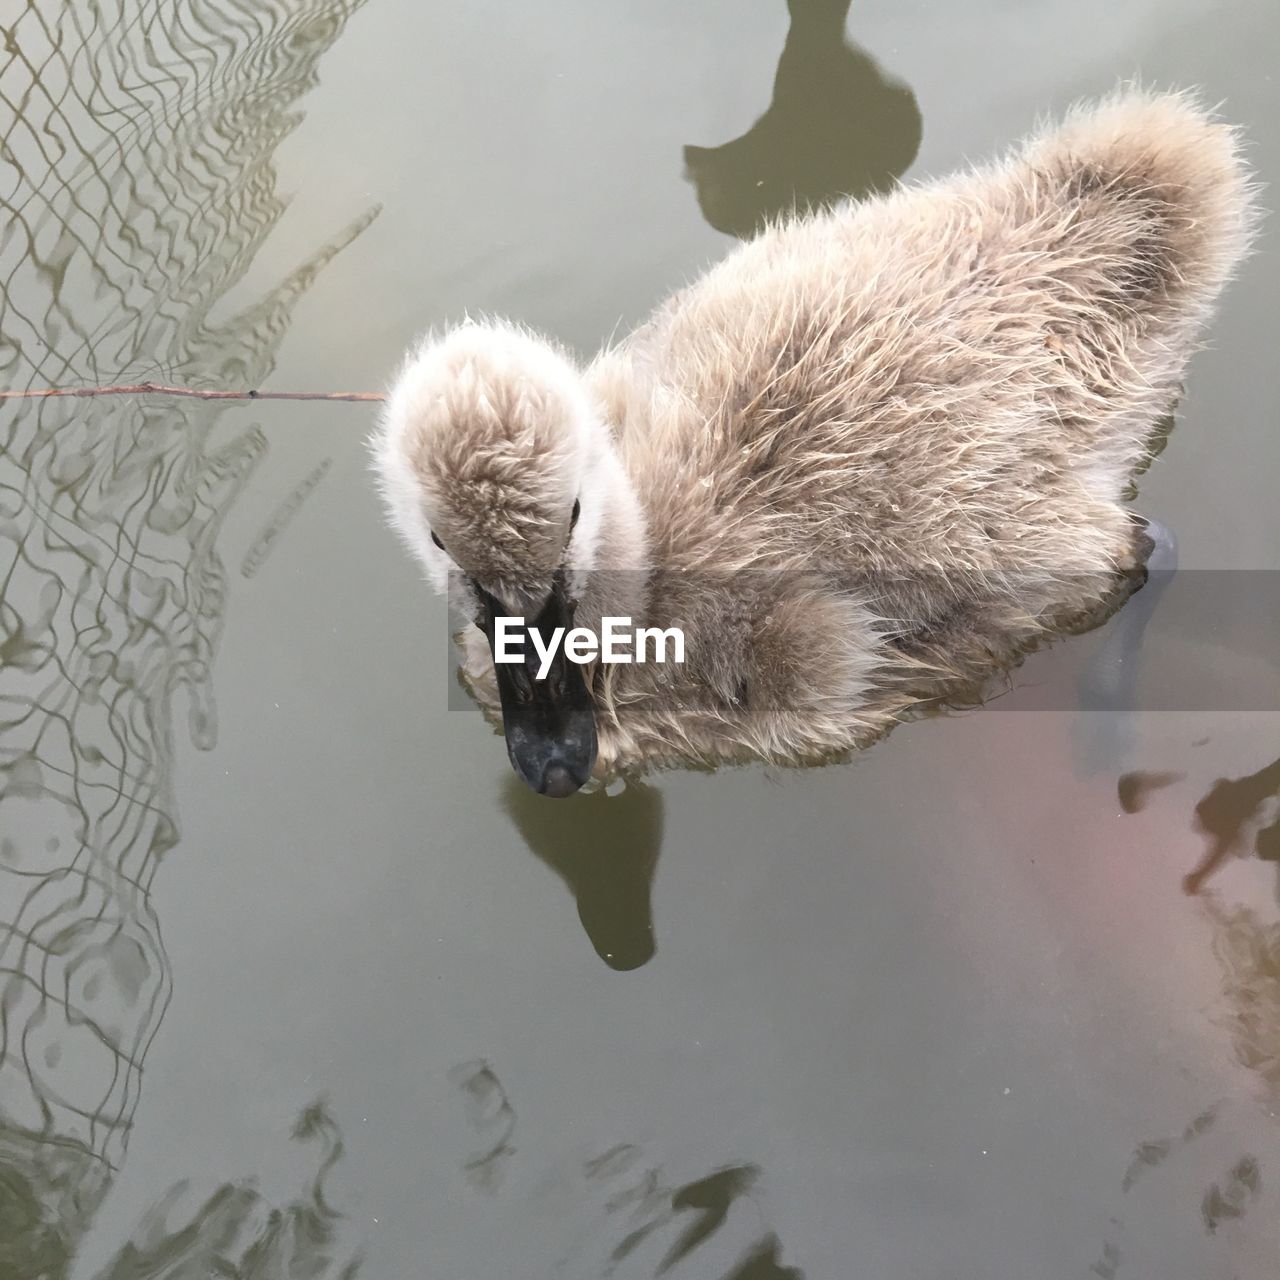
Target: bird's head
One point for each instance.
(496, 468)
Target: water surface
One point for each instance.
(292, 981)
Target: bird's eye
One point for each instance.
(577, 511)
(436, 539)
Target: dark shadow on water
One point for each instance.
(764, 1262)
(1226, 815)
(234, 1231)
(637, 1218)
(605, 848)
(837, 127)
(1226, 1200)
(1231, 814)
(708, 1202)
(491, 1115)
(1247, 946)
(700, 1210)
(1135, 788)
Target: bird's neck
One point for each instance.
(616, 586)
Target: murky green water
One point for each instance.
(292, 980)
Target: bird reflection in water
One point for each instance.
(605, 848)
(837, 127)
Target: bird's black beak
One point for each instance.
(549, 723)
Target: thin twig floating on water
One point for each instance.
(195, 393)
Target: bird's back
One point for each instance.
(961, 374)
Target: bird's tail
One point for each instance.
(1152, 192)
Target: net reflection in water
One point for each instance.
(138, 186)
